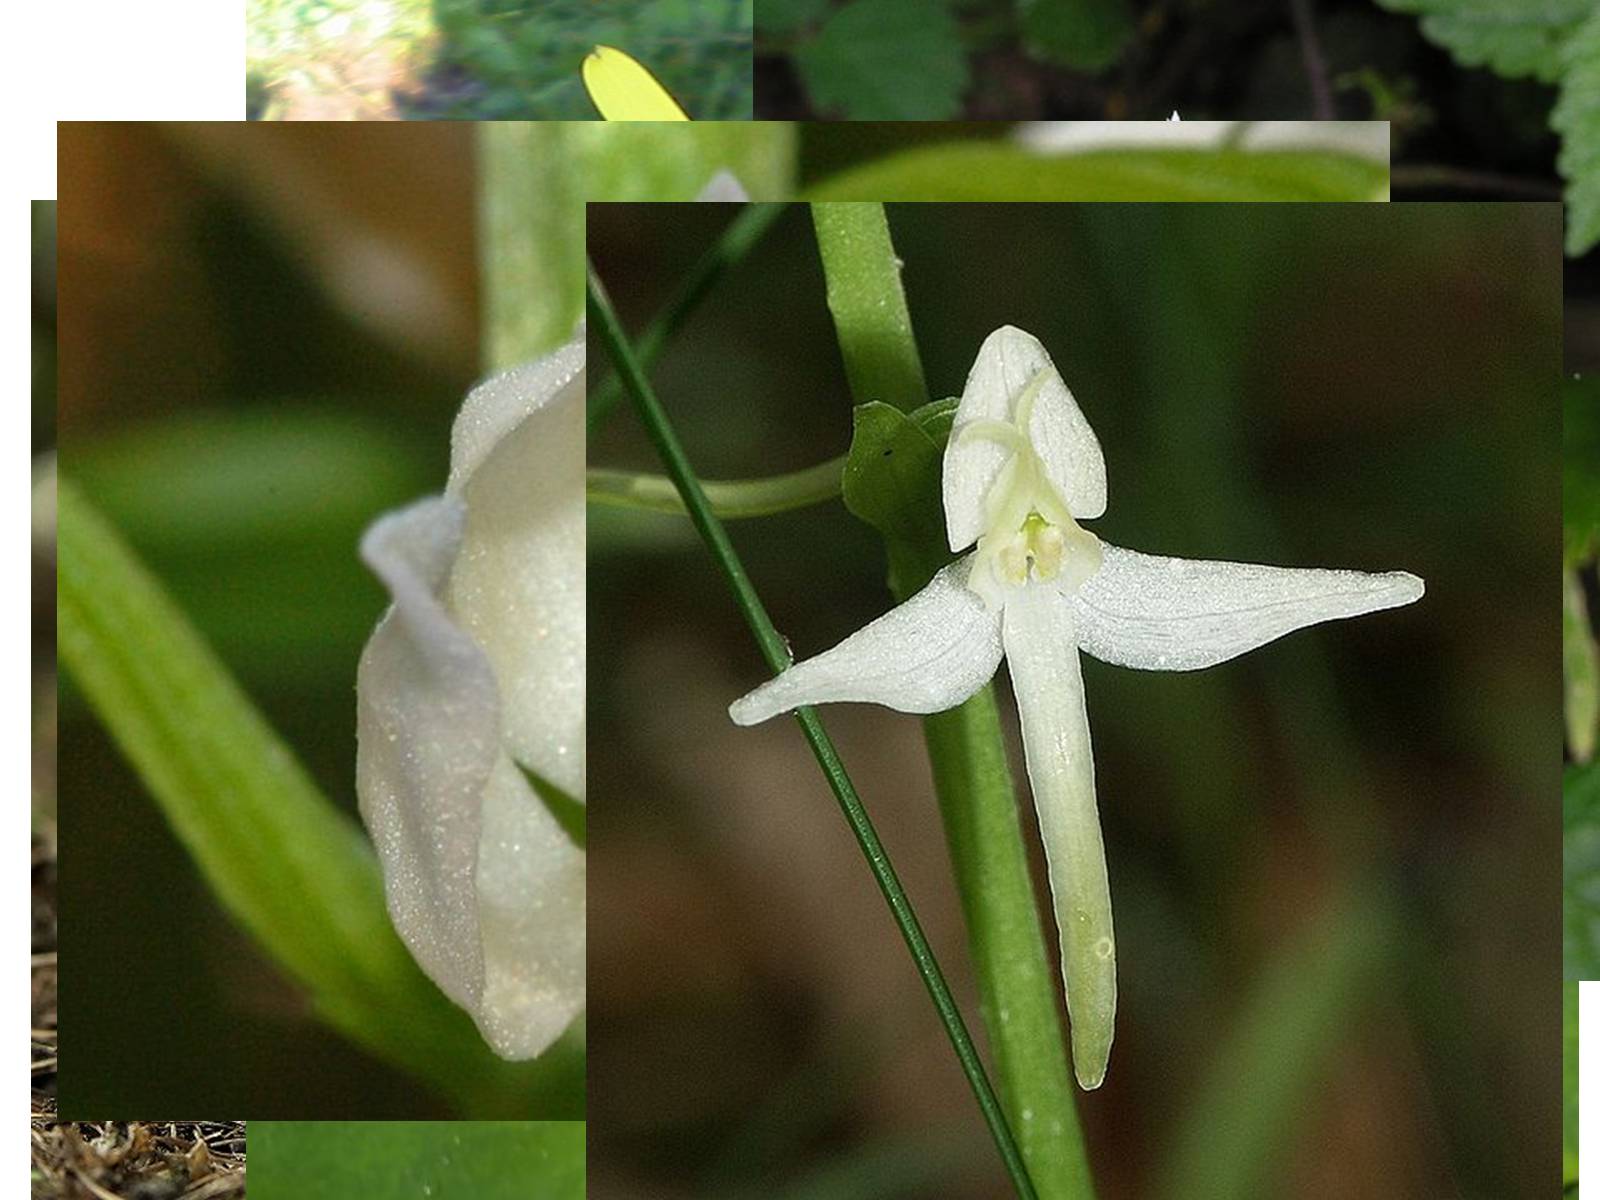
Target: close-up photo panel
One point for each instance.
(1073, 655)
(1074, 684)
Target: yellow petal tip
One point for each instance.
(623, 90)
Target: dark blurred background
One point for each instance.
(1333, 861)
(1226, 59)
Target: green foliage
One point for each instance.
(1580, 470)
(1577, 119)
(1510, 37)
(995, 171)
(416, 1160)
(892, 482)
(1569, 1084)
(523, 56)
(1087, 34)
(1580, 813)
(1555, 41)
(788, 16)
(502, 59)
(886, 60)
(248, 517)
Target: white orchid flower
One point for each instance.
(1021, 469)
(472, 683)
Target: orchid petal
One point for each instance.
(1041, 650)
(472, 681)
(1176, 614)
(1010, 363)
(927, 655)
(483, 886)
(517, 458)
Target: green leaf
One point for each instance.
(1580, 902)
(1569, 1083)
(249, 516)
(295, 871)
(1089, 35)
(1576, 118)
(1512, 37)
(416, 1160)
(886, 60)
(1580, 470)
(987, 171)
(892, 482)
(788, 16)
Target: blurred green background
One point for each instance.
(1332, 861)
(416, 1160)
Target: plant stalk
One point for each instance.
(868, 304)
(605, 325)
(1018, 986)
(731, 499)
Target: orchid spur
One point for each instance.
(1022, 467)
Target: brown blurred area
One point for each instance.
(379, 221)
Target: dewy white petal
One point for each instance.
(1041, 651)
(1175, 614)
(440, 799)
(927, 655)
(474, 673)
(517, 458)
(1009, 364)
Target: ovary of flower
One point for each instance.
(1021, 469)
(472, 683)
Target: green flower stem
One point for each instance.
(868, 304)
(295, 871)
(1580, 669)
(776, 653)
(730, 499)
(1018, 985)
(530, 275)
(736, 241)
